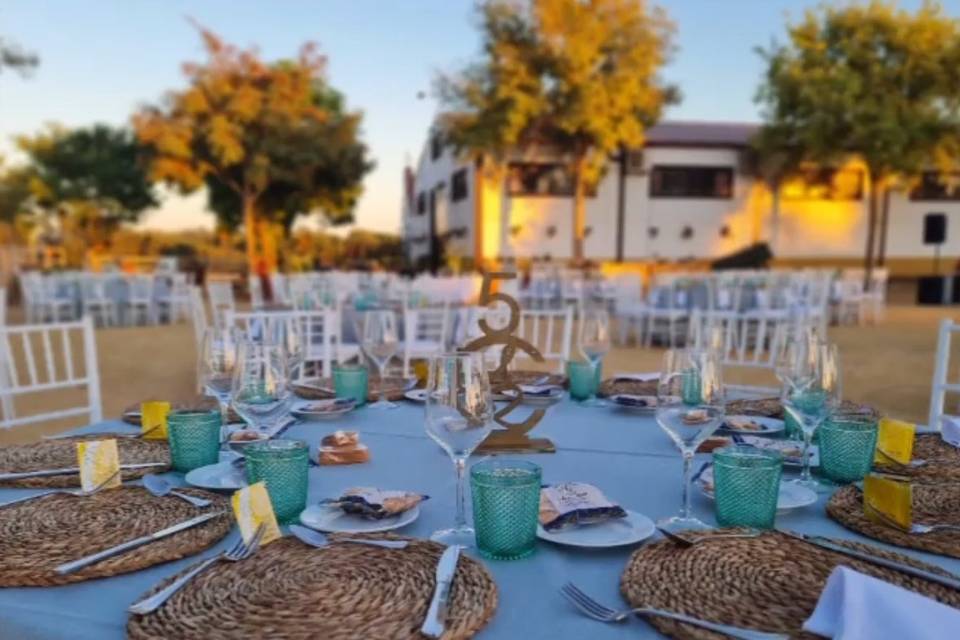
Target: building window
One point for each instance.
(458, 185)
(541, 179)
(436, 146)
(935, 185)
(824, 183)
(421, 203)
(670, 181)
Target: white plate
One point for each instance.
(556, 395)
(416, 395)
(222, 476)
(299, 409)
(617, 532)
(789, 448)
(334, 520)
(620, 400)
(770, 426)
(791, 496)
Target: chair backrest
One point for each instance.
(198, 315)
(427, 324)
(256, 291)
(320, 329)
(550, 331)
(3, 306)
(220, 293)
(941, 371)
(44, 357)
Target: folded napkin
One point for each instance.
(854, 606)
(574, 504)
(950, 430)
(376, 504)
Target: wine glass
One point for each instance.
(690, 407)
(380, 344)
(594, 343)
(811, 393)
(218, 357)
(260, 392)
(459, 416)
(289, 332)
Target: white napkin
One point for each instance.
(950, 430)
(854, 606)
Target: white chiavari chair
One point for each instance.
(39, 358)
(256, 291)
(941, 373)
(550, 331)
(139, 302)
(629, 309)
(97, 302)
(426, 333)
(220, 293)
(667, 307)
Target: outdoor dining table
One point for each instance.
(626, 455)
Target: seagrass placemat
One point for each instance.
(942, 460)
(932, 503)
(131, 415)
(61, 453)
(322, 388)
(773, 408)
(768, 583)
(613, 386)
(344, 591)
(38, 535)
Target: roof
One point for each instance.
(676, 133)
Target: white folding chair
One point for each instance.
(174, 304)
(38, 358)
(139, 300)
(220, 293)
(96, 301)
(256, 291)
(550, 331)
(941, 371)
(198, 315)
(628, 307)
(320, 329)
(426, 332)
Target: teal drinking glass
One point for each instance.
(584, 381)
(506, 503)
(690, 389)
(194, 439)
(350, 381)
(282, 465)
(746, 486)
(847, 445)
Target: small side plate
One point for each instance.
(416, 395)
(617, 532)
(791, 496)
(322, 409)
(635, 404)
(767, 426)
(222, 476)
(334, 520)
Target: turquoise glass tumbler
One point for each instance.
(746, 486)
(282, 465)
(847, 446)
(350, 381)
(584, 381)
(194, 439)
(506, 503)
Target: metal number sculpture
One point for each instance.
(514, 438)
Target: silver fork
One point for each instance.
(593, 609)
(236, 553)
(69, 492)
(689, 542)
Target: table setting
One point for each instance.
(444, 517)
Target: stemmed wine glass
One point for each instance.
(380, 344)
(594, 344)
(218, 357)
(459, 416)
(811, 392)
(289, 332)
(261, 392)
(690, 407)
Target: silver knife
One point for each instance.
(433, 625)
(18, 475)
(948, 581)
(94, 558)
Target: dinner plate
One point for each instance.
(768, 426)
(792, 451)
(222, 476)
(322, 409)
(554, 395)
(631, 403)
(416, 395)
(335, 520)
(792, 496)
(615, 532)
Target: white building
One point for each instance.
(688, 194)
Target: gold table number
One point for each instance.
(514, 438)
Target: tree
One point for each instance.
(580, 77)
(13, 56)
(269, 141)
(869, 81)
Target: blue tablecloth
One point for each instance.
(629, 457)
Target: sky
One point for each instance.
(100, 59)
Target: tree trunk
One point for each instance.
(251, 230)
(884, 223)
(622, 204)
(775, 217)
(579, 210)
(871, 227)
(478, 257)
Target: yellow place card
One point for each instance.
(895, 438)
(251, 506)
(98, 460)
(891, 498)
(154, 414)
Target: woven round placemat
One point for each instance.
(612, 386)
(62, 453)
(768, 583)
(773, 408)
(38, 535)
(317, 388)
(942, 460)
(932, 503)
(344, 591)
(131, 415)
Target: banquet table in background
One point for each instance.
(628, 456)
